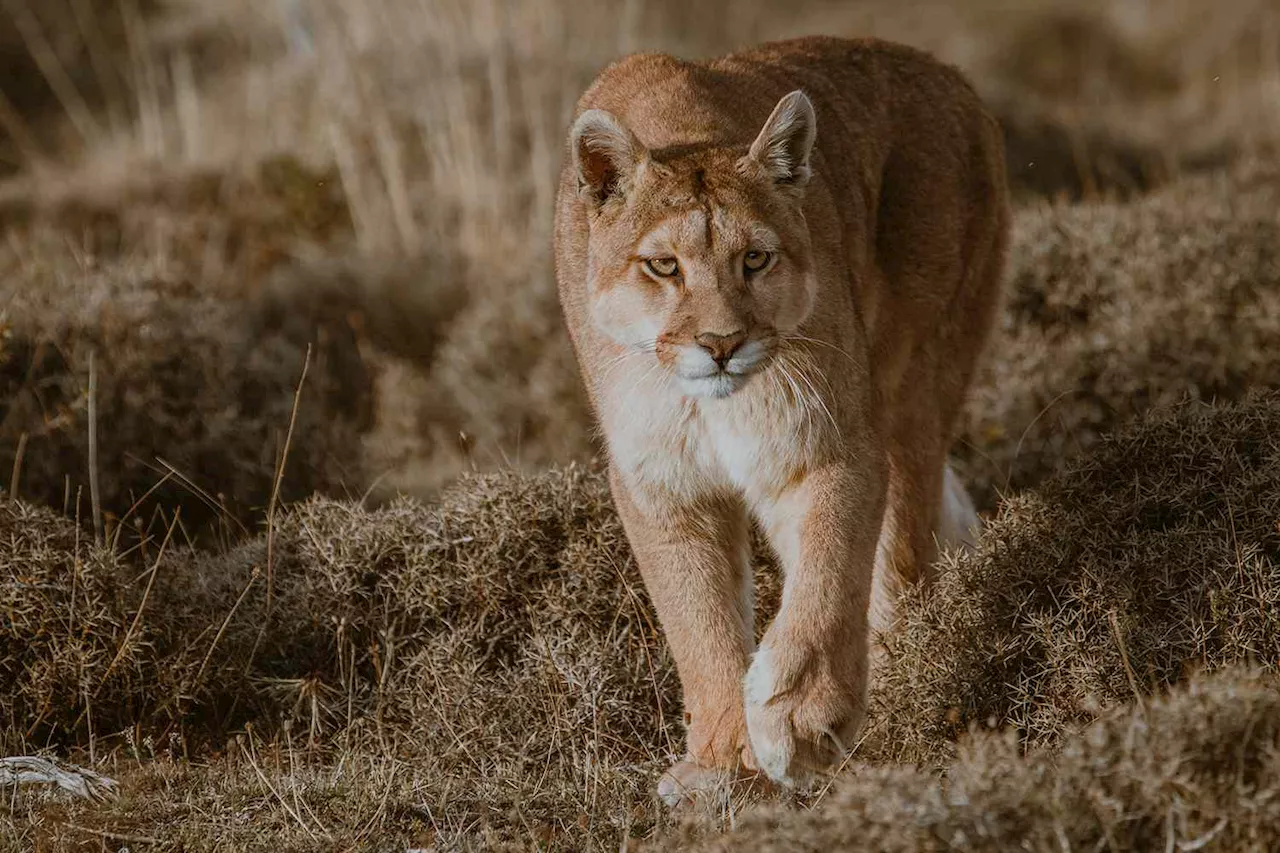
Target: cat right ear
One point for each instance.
(606, 156)
(785, 142)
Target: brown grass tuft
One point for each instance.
(499, 638)
(1117, 308)
(1153, 556)
(479, 667)
(497, 648)
(189, 381)
(1194, 770)
(65, 605)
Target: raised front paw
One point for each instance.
(803, 711)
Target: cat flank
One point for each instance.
(778, 269)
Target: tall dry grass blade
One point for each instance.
(112, 836)
(222, 629)
(353, 188)
(274, 503)
(271, 514)
(15, 478)
(46, 59)
(204, 496)
(395, 181)
(146, 85)
(104, 69)
(186, 96)
(1124, 658)
(115, 540)
(95, 492)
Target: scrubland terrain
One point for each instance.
(305, 539)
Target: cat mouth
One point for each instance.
(716, 386)
(707, 378)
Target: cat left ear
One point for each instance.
(606, 156)
(782, 149)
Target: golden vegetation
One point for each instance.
(195, 194)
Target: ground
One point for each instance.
(305, 537)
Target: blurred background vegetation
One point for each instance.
(196, 191)
(303, 247)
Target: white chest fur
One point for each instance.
(673, 448)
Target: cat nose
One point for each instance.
(720, 347)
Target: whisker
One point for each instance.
(612, 363)
(778, 377)
(818, 399)
(786, 366)
(794, 337)
(648, 346)
(835, 425)
(783, 363)
(802, 375)
(644, 377)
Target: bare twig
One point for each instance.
(112, 836)
(1124, 657)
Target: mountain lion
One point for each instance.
(778, 269)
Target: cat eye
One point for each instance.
(662, 267)
(754, 261)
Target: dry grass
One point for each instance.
(1155, 555)
(381, 174)
(479, 667)
(492, 660)
(66, 76)
(193, 385)
(498, 638)
(1197, 769)
(1116, 308)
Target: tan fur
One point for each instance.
(830, 425)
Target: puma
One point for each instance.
(778, 269)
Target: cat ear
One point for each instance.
(606, 155)
(783, 146)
